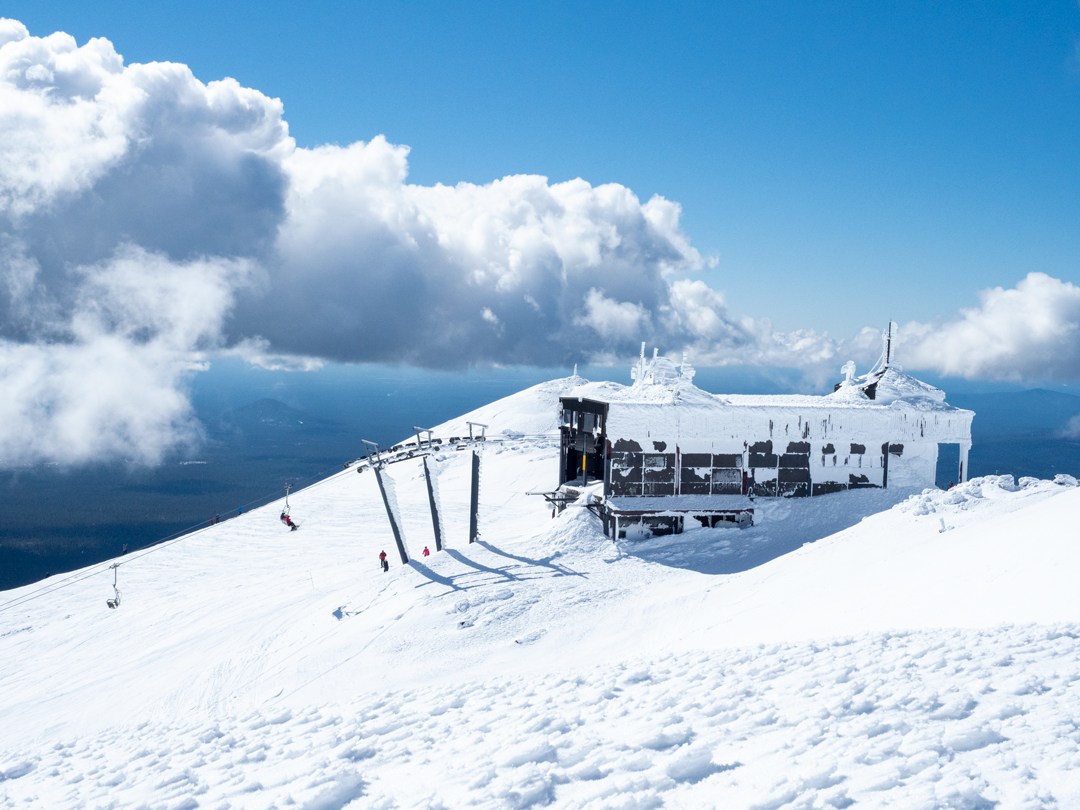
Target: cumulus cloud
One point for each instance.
(113, 386)
(109, 382)
(150, 221)
(1026, 332)
(1071, 429)
(507, 271)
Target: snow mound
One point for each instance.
(967, 495)
(891, 385)
(895, 384)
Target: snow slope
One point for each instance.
(843, 650)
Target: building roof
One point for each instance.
(892, 386)
(663, 404)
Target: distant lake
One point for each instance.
(264, 429)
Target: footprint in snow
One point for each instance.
(531, 638)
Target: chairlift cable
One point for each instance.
(184, 534)
(169, 540)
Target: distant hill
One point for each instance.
(1034, 412)
(1022, 433)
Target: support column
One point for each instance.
(962, 473)
(474, 500)
(390, 514)
(435, 523)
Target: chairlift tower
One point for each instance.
(373, 451)
(419, 436)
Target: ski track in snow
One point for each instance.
(833, 655)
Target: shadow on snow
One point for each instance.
(521, 568)
(781, 526)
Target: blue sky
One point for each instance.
(904, 155)
(764, 185)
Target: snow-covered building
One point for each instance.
(666, 451)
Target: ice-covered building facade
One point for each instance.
(667, 451)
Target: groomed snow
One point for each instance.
(875, 647)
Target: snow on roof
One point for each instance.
(893, 386)
(661, 381)
(861, 408)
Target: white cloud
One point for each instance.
(148, 220)
(92, 400)
(256, 352)
(145, 298)
(111, 380)
(1072, 428)
(390, 271)
(621, 320)
(1027, 332)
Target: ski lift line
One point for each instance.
(188, 532)
(404, 454)
(162, 543)
(73, 576)
(198, 528)
(53, 587)
(165, 542)
(18, 601)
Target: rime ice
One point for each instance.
(668, 452)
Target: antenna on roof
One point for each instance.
(637, 373)
(885, 361)
(686, 371)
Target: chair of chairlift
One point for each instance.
(115, 601)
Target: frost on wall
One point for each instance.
(675, 439)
